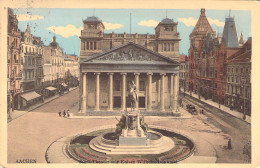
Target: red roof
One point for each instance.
(183, 58)
(243, 55)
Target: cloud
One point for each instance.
(67, 31)
(27, 17)
(192, 22)
(112, 26)
(216, 22)
(188, 21)
(148, 23)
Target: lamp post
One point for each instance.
(243, 81)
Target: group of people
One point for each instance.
(65, 114)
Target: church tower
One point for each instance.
(91, 36)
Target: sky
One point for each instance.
(66, 24)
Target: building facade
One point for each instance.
(106, 78)
(14, 74)
(165, 40)
(53, 63)
(31, 55)
(228, 46)
(184, 73)
(200, 56)
(126, 58)
(238, 70)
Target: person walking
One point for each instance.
(60, 114)
(229, 144)
(68, 113)
(64, 113)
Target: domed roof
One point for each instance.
(92, 18)
(167, 20)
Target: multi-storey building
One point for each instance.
(238, 70)
(14, 74)
(53, 63)
(165, 40)
(184, 73)
(205, 67)
(31, 55)
(117, 60)
(200, 56)
(71, 66)
(228, 46)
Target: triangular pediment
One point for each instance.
(129, 53)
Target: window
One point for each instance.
(164, 46)
(117, 85)
(172, 47)
(95, 45)
(87, 45)
(91, 45)
(141, 86)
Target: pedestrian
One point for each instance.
(68, 113)
(202, 111)
(60, 114)
(229, 144)
(64, 113)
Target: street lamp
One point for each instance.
(244, 97)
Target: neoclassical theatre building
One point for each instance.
(110, 62)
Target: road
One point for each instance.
(238, 130)
(30, 135)
(65, 102)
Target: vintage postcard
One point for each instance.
(147, 83)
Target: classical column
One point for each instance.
(110, 107)
(175, 92)
(162, 91)
(172, 91)
(123, 96)
(149, 108)
(97, 91)
(84, 94)
(137, 89)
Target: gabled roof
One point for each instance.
(202, 26)
(93, 57)
(243, 55)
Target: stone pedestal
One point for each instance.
(133, 134)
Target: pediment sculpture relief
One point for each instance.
(131, 53)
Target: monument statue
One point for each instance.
(133, 96)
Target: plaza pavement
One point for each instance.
(30, 135)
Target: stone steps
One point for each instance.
(163, 145)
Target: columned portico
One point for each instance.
(123, 97)
(105, 80)
(97, 74)
(162, 91)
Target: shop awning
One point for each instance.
(30, 96)
(50, 88)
